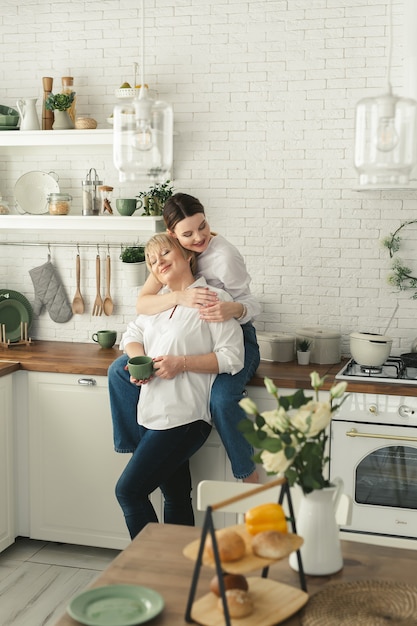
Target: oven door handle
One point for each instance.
(354, 433)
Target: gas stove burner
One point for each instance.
(371, 370)
(392, 371)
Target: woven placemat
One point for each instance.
(362, 603)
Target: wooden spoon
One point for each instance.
(108, 302)
(78, 302)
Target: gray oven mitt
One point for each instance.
(49, 291)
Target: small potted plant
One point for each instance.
(154, 198)
(133, 258)
(60, 103)
(303, 351)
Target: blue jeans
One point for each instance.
(160, 460)
(226, 392)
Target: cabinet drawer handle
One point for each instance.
(88, 382)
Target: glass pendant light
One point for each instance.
(385, 136)
(143, 133)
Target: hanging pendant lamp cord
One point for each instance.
(142, 80)
(390, 39)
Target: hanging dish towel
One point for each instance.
(50, 292)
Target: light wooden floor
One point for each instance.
(39, 578)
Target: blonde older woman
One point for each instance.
(174, 405)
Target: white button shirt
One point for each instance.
(185, 398)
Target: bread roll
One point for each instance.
(229, 543)
(272, 544)
(230, 581)
(238, 601)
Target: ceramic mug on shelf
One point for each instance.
(140, 367)
(105, 338)
(127, 206)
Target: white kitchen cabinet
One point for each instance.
(7, 532)
(211, 463)
(73, 468)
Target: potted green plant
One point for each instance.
(133, 258)
(154, 198)
(60, 103)
(303, 351)
(133, 254)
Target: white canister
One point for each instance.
(325, 344)
(278, 347)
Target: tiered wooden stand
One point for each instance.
(24, 339)
(273, 601)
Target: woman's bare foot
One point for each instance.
(252, 478)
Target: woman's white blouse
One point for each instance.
(185, 398)
(223, 267)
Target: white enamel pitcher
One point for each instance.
(317, 523)
(28, 116)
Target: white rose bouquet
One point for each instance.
(291, 440)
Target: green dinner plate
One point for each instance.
(116, 605)
(10, 294)
(12, 313)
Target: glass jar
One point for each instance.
(59, 203)
(91, 194)
(4, 209)
(106, 196)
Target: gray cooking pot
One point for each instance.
(409, 359)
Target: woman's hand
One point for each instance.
(168, 366)
(196, 298)
(220, 311)
(138, 383)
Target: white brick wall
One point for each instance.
(264, 94)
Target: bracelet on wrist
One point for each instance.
(243, 314)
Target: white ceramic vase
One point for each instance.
(62, 120)
(135, 273)
(321, 551)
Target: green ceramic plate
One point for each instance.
(12, 313)
(116, 605)
(14, 308)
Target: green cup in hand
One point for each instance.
(140, 367)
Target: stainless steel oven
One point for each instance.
(373, 448)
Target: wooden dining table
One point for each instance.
(155, 559)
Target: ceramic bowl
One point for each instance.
(8, 116)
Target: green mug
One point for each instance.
(140, 367)
(127, 206)
(105, 338)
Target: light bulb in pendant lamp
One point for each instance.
(143, 138)
(385, 140)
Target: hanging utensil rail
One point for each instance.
(84, 244)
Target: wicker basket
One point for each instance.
(85, 123)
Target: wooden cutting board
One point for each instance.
(273, 602)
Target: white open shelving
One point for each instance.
(45, 138)
(87, 223)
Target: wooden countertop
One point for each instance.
(90, 359)
(154, 559)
